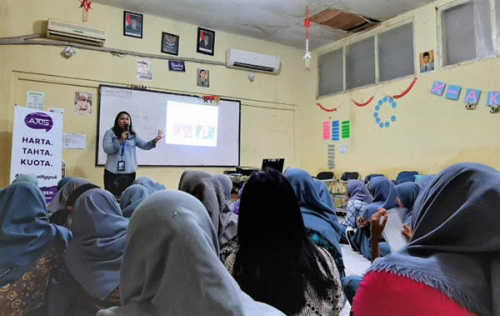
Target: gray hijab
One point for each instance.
(149, 184)
(131, 198)
(172, 267)
(206, 188)
(59, 201)
(456, 242)
(95, 253)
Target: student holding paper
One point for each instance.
(119, 144)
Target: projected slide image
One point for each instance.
(191, 124)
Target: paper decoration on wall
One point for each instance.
(326, 130)
(471, 98)
(331, 156)
(86, 6)
(336, 131)
(74, 141)
(334, 109)
(384, 122)
(343, 149)
(362, 104)
(307, 24)
(453, 92)
(346, 129)
(438, 88)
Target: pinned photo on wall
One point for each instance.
(203, 78)
(83, 103)
(169, 43)
(132, 24)
(144, 70)
(427, 61)
(205, 41)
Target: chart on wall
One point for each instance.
(196, 133)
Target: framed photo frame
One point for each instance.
(133, 24)
(169, 43)
(205, 41)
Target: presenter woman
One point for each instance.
(119, 144)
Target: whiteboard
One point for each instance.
(148, 110)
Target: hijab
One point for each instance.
(59, 201)
(149, 184)
(206, 188)
(172, 266)
(99, 232)
(29, 178)
(316, 205)
(227, 185)
(456, 242)
(384, 196)
(423, 181)
(25, 231)
(408, 193)
(62, 182)
(131, 198)
(357, 190)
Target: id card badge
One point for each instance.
(121, 165)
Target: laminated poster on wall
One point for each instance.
(35, 100)
(74, 141)
(83, 103)
(144, 70)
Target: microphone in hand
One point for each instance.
(127, 129)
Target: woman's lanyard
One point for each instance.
(121, 163)
(123, 149)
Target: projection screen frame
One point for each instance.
(169, 93)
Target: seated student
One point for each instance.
(171, 264)
(384, 196)
(132, 197)
(30, 249)
(359, 198)
(318, 213)
(451, 265)
(206, 188)
(149, 184)
(407, 195)
(94, 256)
(61, 199)
(62, 182)
(227, 186)
(276, 262)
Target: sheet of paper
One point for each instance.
(392, 232)
(74, 141)
(56, 110)
(34, 100)
(343, 149)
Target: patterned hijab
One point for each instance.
(171, 265)
(456, 242)
(99, 232)
(131, 198)
(25, 231)
(357, 190)
(206, 188)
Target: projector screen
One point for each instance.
(196, 133)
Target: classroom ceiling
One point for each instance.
(280, 21)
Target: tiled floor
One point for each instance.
(355, 263)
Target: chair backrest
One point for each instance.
(406, 176)
(325, 175)
(371, 176)
(350, 175)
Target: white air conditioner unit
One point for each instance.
(241, 59)
(76, 33)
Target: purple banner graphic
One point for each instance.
(176, 66)
(39, 120)
(49, 192)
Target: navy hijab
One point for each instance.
(384, 196)
(99, 235)
(408, 193)
(456, 242)
(25, 231)
(131, 198)
(357, 190)
(316, 204)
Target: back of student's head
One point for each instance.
(276, 260)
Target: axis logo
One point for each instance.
(39, 120)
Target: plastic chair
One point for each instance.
(349, 175)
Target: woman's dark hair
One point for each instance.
(116, 128)
(276, 260)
